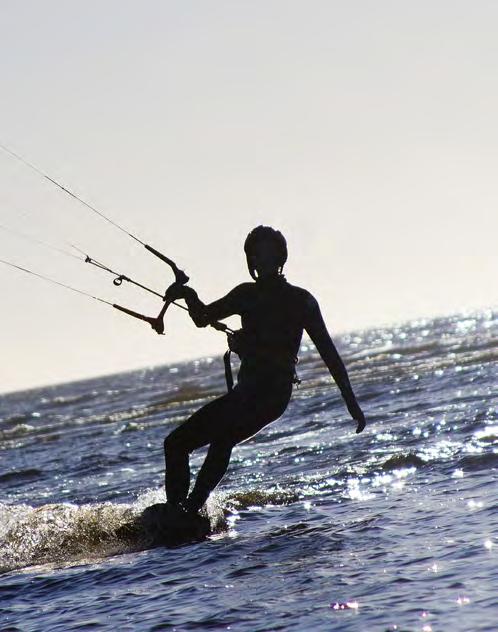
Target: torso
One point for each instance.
(273, 315)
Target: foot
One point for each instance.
(183, 511)
(188, 520)
(192, 504)
(176, 509)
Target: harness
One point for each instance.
(239, 343)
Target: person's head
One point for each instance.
(266, 252)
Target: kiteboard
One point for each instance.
(168, 525)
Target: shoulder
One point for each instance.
(241, 293)
(243, 289)
(304, 297)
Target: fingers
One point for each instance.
(173, 294)
(361, 426)
(158, 326)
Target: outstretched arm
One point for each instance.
(317, 330)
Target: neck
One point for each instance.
(269, 278)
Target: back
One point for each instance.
(273, 314)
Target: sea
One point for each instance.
(315, 528)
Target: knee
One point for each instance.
(222, 448)
(175, 443)
(171, 443)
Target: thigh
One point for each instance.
(207, 424)
(232, 418)
(254, 409)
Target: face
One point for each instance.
(265, 259)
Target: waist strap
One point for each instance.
(229, 375)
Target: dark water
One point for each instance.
(318, 528)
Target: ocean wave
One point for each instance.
(476, 462)
(20, 475)
(14, 420)
(65, 533)
(59, 533)
(68, 400)
(405, 460)
(63, 427)
(18, 430)
(260, 498)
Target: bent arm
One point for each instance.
(203, 314)
(317, 331)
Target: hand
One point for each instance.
(357, 414)
(157, 325)
(175, 291)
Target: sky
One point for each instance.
(365, 131)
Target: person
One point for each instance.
(274, 315)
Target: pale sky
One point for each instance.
(365, 131)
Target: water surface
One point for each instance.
(317, 528)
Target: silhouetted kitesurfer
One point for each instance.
(274, 315)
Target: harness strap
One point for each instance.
(228, 369)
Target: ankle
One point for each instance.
(191, 505)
